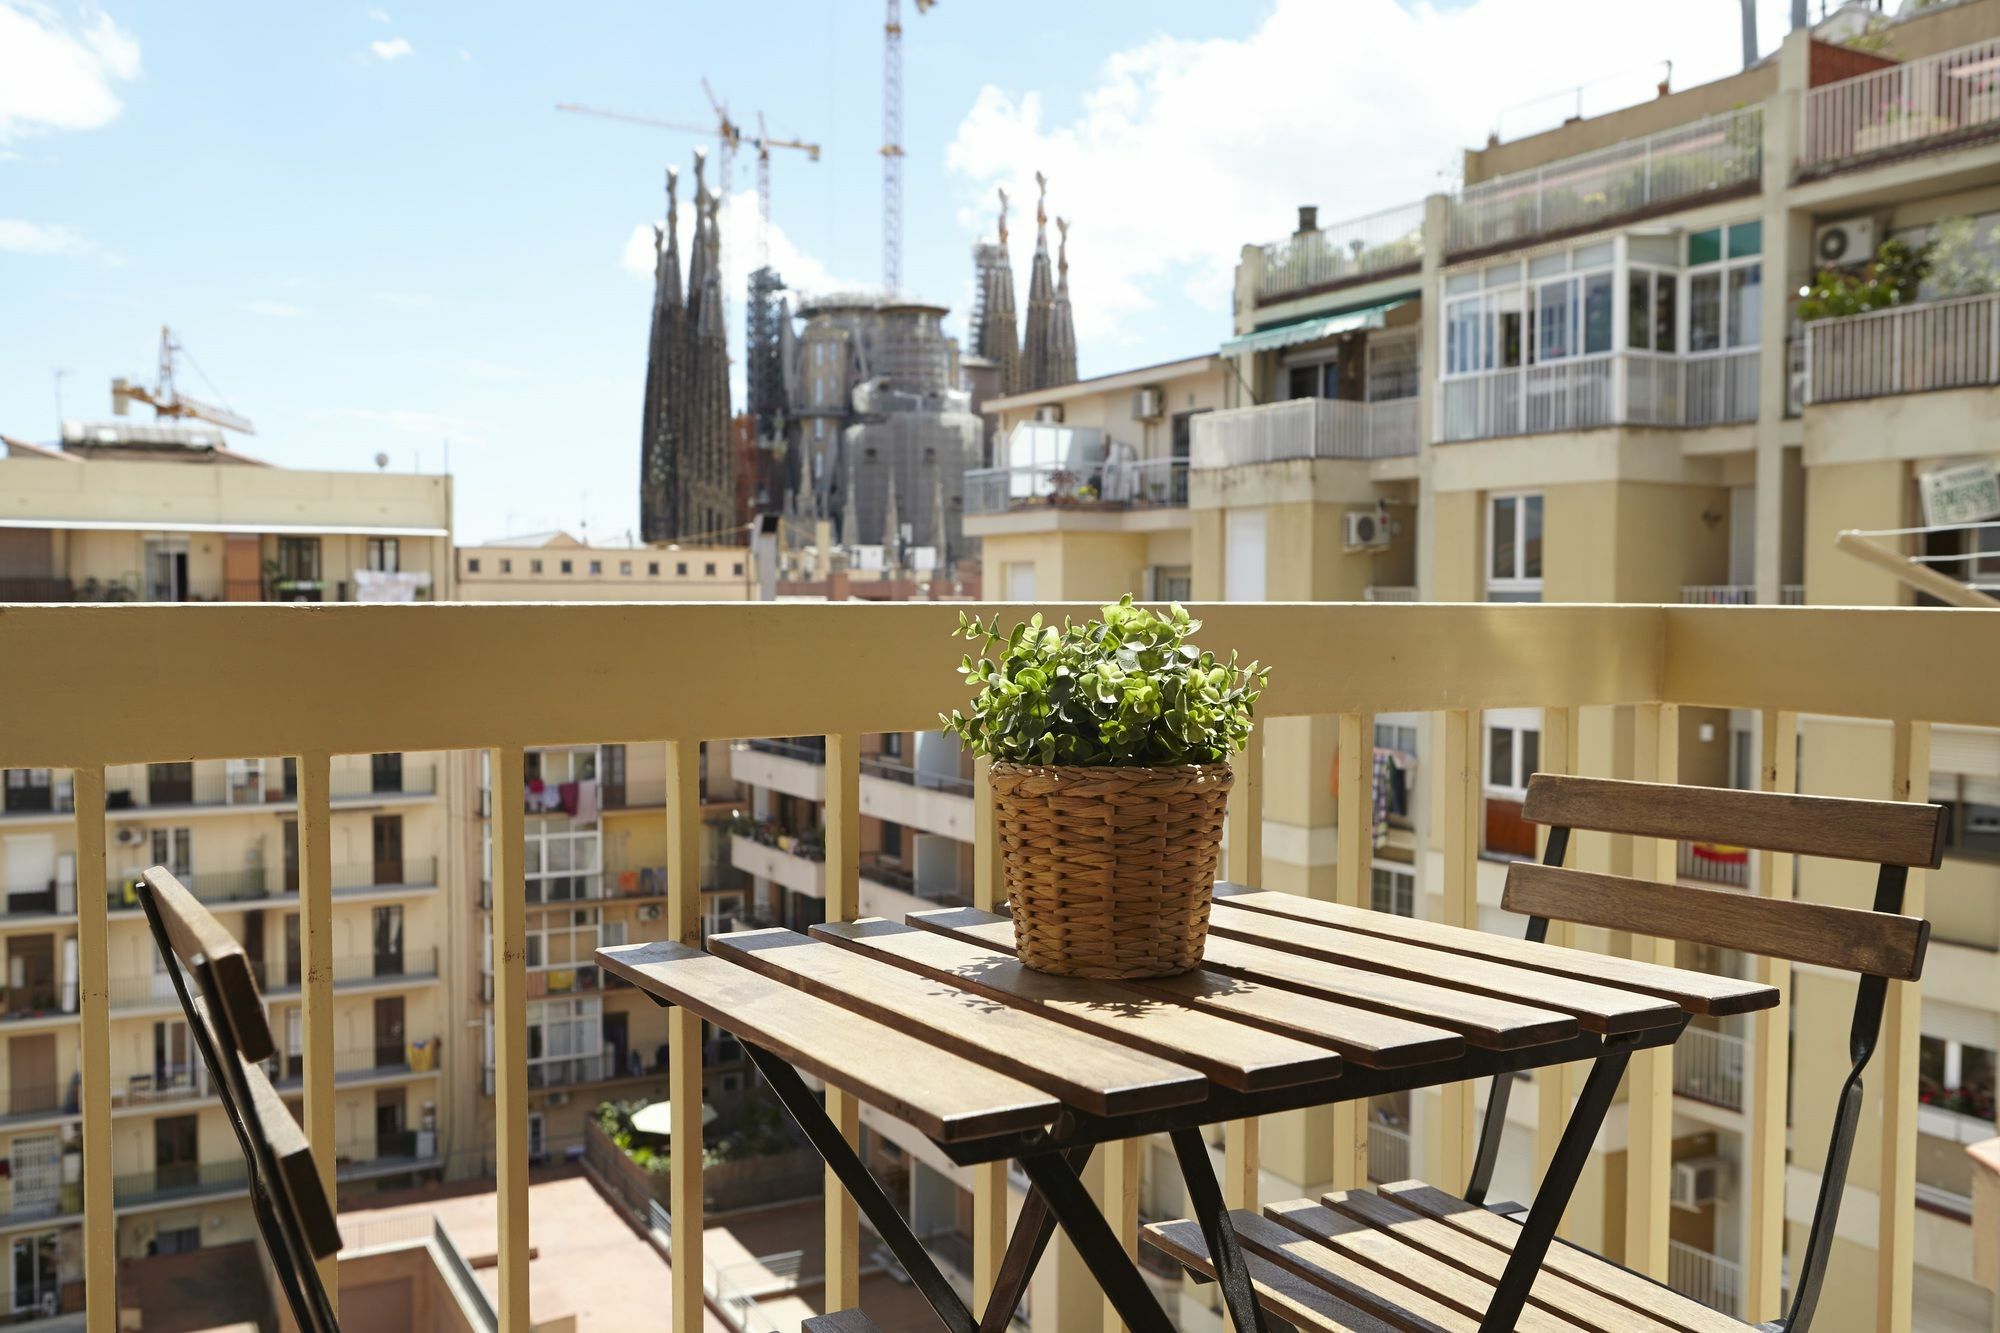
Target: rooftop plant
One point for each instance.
(1127, 689)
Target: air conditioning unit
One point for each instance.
(1146, 404)
(649, 911)
(130, 837)
(1051, 412)
(1367, 530)
(1699, 1182)
(1839, 244)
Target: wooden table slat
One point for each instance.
(1363, 1035)
(1101, 1076)
(1401, 1304)
(1280, 1291)
(1697, 992)
(946, 1096)
(1236, 1055)
(1599, 1008)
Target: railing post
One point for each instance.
(100, 1225)
(1464, 801)
(1650, 1083)
(316, 988)
(684, 1197)
(1770, 1056)
(1354, 837)
(1246, 866)
(843, 900)
(989, 1180)
(1121, 1208)
(1896, 1224)
(510, 1029)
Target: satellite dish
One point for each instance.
(381, 462)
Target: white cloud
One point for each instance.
(1185, 150)
(58, 74)
(42, 238)
(275, 309)
(378, 16)
(393, 49)
(802, 272)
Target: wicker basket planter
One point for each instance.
(1110, 869)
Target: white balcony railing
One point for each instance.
(1388, 1152)
(1719, 594)
(1708, 1066)
(1951, 344)
(1709, 1278)
(1301, 428)
(1903, 106)
(1610, 389)
(1708, 156)
(1382, 242)
(1143, 483)
(1387, 592)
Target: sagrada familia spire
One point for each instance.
(1037, 367)
(1062, 328)
(686, 485)
(996, 336)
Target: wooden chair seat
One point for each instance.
(841, 1321)
(1412, 1257)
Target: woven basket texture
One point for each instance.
(1110, 869)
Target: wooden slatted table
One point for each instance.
(1299, 1003)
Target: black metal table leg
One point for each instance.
(1116, 1272)
(839, 1155)
(1205, 1196)
(1032, 1230)
(1538, 1229)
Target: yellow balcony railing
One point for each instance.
(86, 688)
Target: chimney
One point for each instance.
(1308, 218)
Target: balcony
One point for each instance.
(1305, 428)
(1716, 157)
(1919, 105)
(901, 878)
(1388, 1152)
(1111, 485)
(1706, 863)
(797, 863)
(1389, 592)
(1348, 252)
(1952, 344)
(1709, 1278)
(179, 1184)
(1708, 1066)
(1738, 594)
(1610, 389)
(856, 669)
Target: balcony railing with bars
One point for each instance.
(1738, 594)
(1356, 250)
(1711, 863)
(1718, 155)
(1917, 348)
(1709, 1278)
(1914, 105)
(1388, 1152)
(1631, 667)
(1144, 483)
(1304, 428)
(1608, 389)
(1708, 1066)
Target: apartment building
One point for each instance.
(129, 511)
(558, 567)
(1581, 378)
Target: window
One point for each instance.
(472, 565)
(1725, 284)
(1513, 753)
(174, 849)
(298, 559)
(681, 568)
(506, 566)
(1514, 548)
(170, 784)
(652, 569)
(892, 840)
(625, 568)
(1396, 744)
(36, 1263)
(597, 567)
(534, 566)
(566, 567)
(709, 569)
(1972, 813)
(385, 555)
(1954, 1076)
(1393, 888)
(29, 789)
(737, 569)
(385, 771)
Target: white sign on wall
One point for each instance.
(1961, 493)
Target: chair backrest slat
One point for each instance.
(1876, 943)
(197, 937)
(297, 1175)
(1894, 833)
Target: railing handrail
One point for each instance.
(1829, 135)
(1582, 162)
(1893, 311)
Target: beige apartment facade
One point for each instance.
(180, 520)
(1580, 379)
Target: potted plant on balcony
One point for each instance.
(1110, 743)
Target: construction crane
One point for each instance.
(892, 143)
(729, 137)
(167, 401)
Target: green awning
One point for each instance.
(1311, 329)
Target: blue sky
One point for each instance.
(370, 227)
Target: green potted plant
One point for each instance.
(1110, 743)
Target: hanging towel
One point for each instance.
(586, 801)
